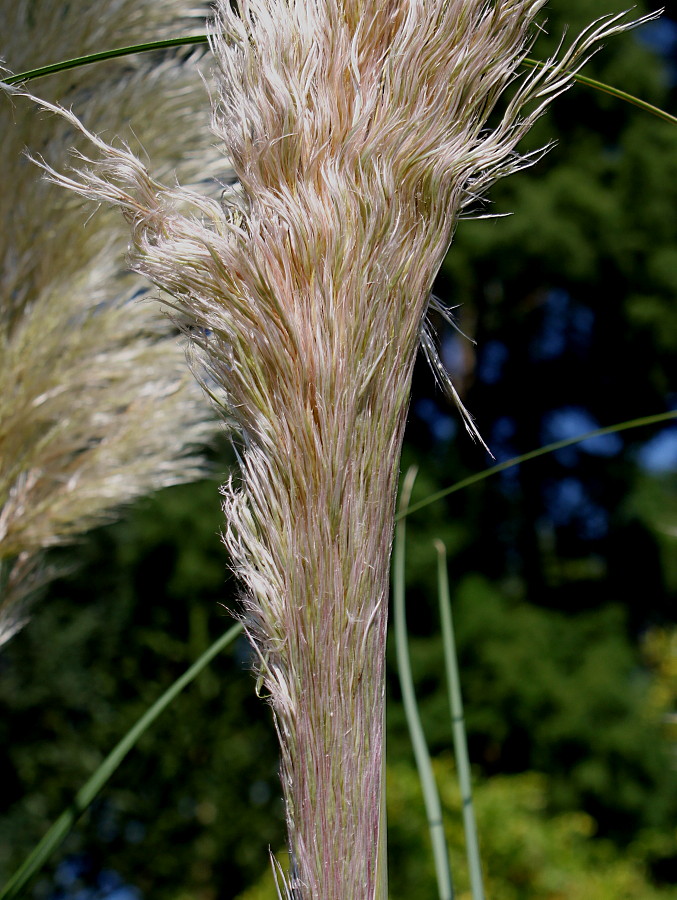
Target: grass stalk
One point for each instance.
(87, 793)
(431, 795)
(458, 725)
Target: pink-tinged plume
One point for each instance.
(358, 132)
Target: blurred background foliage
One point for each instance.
(564, 574)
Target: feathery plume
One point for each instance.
(358, 132)
(96, 406)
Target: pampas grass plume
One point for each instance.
(359, 132)
(96, 405)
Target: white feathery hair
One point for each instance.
(96, 405)
(358, 132)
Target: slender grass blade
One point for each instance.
(84, 797)
(431, 795)
(458, 725)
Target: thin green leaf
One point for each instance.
(63, 825)
(458, 725)
(614, 92)
(533, 454)
(90, 58)
(62, 66)
(431, 795)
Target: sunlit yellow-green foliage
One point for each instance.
(527, 853)
(660, 652)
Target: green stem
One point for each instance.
(431, 795)
(533, 454)
(63, 825)
(458, 725)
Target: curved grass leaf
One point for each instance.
(431, 797)
(458, 725)
(613, 91)
(63, 825)
(533, 454)
(62, 66)
(78, 61)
